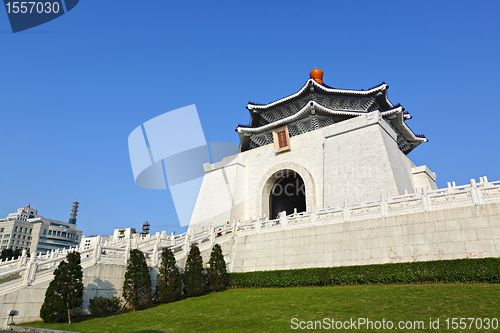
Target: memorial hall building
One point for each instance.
(317, 148)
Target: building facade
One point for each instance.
(26, 230)
(320, 147)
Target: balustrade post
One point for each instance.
(383, 206)
(97, 250)
(475, 194)
(283, 219)
(30, 272)
(52, 256)
(155, 255)
(186, 244)
(212, 234)
(22, 260)
(425, 200)
(127, 251)
(314, 215)
(346, 211)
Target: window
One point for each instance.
(50, 232)
(30, 230)
(44, 231)
(58, 233)
(19, 236)
(24, 237)
(76, 236)
(15, 229)
(1, 229)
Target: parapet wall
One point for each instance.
(460, 232)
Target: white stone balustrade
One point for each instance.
(421, 201)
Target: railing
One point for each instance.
(40, 267)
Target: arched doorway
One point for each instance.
(287, 193)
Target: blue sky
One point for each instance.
(73, 89)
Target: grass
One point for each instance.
(271, 310)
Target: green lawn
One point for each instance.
(271, 310)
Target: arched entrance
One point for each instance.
(287, 193)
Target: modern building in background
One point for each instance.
(27, 230)
(129, 233)
(89, 242)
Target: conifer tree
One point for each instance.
(169, 279)
(10, 254)
(65, 292)
(194, 277)
(218, 278)
(137, 284)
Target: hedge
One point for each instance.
(446, 271)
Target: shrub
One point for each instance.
(194, 277)
(65, 292)
(458, 270)
(218, 279)
(169, 279)
(102, 307)
(137, 283)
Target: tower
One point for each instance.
(74, 211)
(145, 229)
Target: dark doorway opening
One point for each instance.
(287, 193)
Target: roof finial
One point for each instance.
(317, 75)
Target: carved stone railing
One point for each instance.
(39, 268)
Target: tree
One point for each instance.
(65, 292)
(169, 279)
(218, 278)
(137, 284)
(10, 253)
(194, 277)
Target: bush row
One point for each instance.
(458, 270)
(102, 307)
